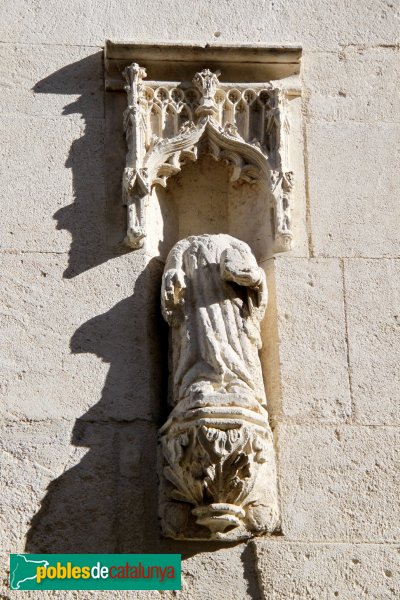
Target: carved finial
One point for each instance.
(134, 75)
(207, 82)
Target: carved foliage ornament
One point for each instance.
(218, 474)
(168, 125)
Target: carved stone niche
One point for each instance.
(208, 189)
(190, 106)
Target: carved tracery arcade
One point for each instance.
(170, 124)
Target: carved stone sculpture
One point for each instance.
(218, 473)
(170, 124)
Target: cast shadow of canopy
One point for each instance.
(95, 218)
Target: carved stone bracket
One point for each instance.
(170, 124)
(219, 478)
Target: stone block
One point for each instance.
(88, 347)
(310, 23)
(78, 487)
(51, 81)
(356, 83)
(339, 484)
(314, 381)
(37, 457)
(53, 179)
(235, 576)
(373, 301)
(353, 178)
(294, 571)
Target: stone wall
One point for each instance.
(82, 380)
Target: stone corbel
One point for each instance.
(166, 127)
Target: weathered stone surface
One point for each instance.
(312, 350)
(292, 571)
(356, 83)
(353, 188)
(339, 484)
(34, 457)
(311, 23)
(52, 192)
(234, 577)
(83, 347)
(92, 595)
(373, 301)
(49, 80)
(54, 475)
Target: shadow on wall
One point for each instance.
(96, 212)
(108, 502)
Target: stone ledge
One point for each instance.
(257, 63)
